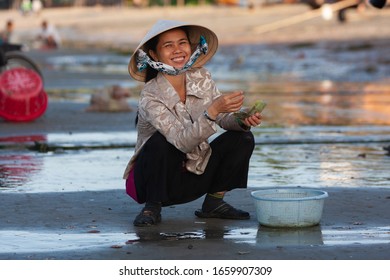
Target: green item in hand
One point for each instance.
(258, 107)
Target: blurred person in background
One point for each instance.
(26, 7)
(48, 37)
(7, 38)
(6, 34)
(36, 7)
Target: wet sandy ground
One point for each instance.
(77, 209)
(94, 222)
(97, 225)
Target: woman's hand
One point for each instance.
(253, 120)
(226, 103)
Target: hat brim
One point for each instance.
(194, 31)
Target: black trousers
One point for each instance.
(160, 175)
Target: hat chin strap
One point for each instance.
(143, 60)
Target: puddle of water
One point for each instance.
(320, 165)
(269, 237)
(91, 165)
(29, 242)
(250, 63)
(108, 63)
(76, 140)
(306, 63)
(46, 172)
(366, 236)
(272, 237)
(322, 134)
(343, 104)
(16, 168)
(330, 165)
(289, 237)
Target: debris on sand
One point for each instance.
(111, 99)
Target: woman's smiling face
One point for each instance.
(173, 48)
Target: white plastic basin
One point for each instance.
(289, 207)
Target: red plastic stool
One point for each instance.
(22, 97)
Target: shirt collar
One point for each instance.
(169, 96)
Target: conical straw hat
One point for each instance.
(195, 31)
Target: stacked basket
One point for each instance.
(22, 97)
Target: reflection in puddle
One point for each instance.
(308, 103)
(320, 165)
(22, 139)
(91, 168)
(180, 236)
(23, 241)
(85, 170)
(289, 237)
(91, 140)
(75, 140)
(272, 237)
(378, 235)
(17, 168)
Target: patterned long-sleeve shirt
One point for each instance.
(183, 124)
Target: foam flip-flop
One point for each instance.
(224, 211)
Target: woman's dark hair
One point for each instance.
(150, 45)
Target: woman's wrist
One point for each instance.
(206, 114)
(212, 112)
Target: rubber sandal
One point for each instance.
(224, 211)
(147, 217)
